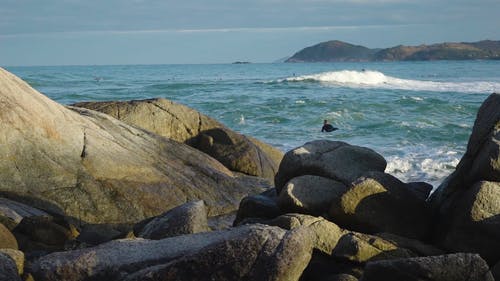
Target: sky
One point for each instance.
(102, 32)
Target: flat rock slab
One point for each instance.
(255, 252)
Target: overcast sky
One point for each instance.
(82, 32)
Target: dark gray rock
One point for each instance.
(18, 258)
(43, 234)
(261, 206)
(454, 267)
(187, 218)
(8, 269)
(12, 212)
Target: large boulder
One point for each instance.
(474, 224)
(455, 267)
(97, 169)
(253, 252)
(186, 219)
(330, 159)
(379, 202)
(7, 239)
(482, 158)
(183, 124)
(466, 203)
(310, 195)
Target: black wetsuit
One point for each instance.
(328, 128)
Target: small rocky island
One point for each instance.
(338, 51)
(153, 190)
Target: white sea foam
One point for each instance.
(376, 79)
(419, 167)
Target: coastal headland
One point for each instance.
(154, 190)
(338, 51)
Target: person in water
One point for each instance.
(327, 127)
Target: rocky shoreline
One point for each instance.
(153, 190)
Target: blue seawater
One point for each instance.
(418, 115)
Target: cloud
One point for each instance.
(208, 30)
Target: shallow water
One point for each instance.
(418, 115)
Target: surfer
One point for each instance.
(327, 127)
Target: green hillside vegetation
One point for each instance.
(338, 51)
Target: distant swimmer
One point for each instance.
(327, 127)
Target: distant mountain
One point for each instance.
(338, 51)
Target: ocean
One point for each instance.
(418, 115)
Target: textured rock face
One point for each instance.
(474, 223)
(17, 257)
(466, 204)
(331, 159)
(8, 269)
(7, 240)
(42, 233)
(186, 219)
(310, 195)
(97, 169)
(455, 267)
(183, 124)
(379, 202)
(246, 253)
(12, 212)
(343, 244)
(482, 158)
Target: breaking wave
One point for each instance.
(376, 79)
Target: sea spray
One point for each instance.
(376, 79)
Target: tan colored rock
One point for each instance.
(339, 243)
(7, 239)
(97, 169)
(254, 252)
(331, 159)
(310, 195)
(183, 124)
(379, 202)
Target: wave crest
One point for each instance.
(376, 79)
